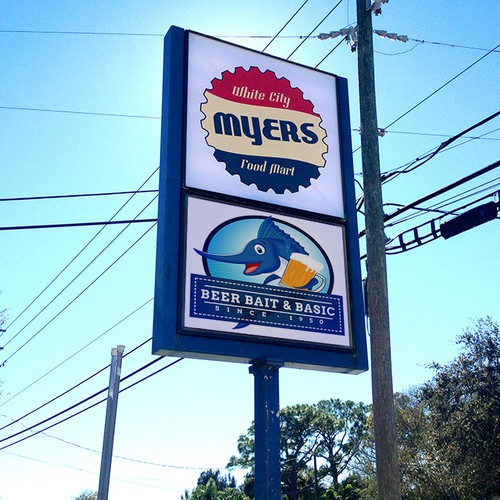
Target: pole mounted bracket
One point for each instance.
(375, 6)
(265, 362)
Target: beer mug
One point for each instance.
(301, 269)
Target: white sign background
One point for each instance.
(208, 59)
(205, 215)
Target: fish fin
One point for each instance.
(271, 277)
(268, 229)
(241, 324)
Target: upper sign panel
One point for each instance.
(262, 128)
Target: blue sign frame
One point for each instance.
(170, 335)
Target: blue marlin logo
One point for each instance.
(263, 254)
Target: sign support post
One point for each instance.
(267, 429)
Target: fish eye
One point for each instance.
(259, 249)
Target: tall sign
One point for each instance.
(257, 254)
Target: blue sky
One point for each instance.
(80, 105)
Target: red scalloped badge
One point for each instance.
(264, 130)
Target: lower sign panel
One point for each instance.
(257, 274)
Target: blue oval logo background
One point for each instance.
(232, 236)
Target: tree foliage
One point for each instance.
(449, 428)
(463, 401)
(329, 433)
(212, 485)
(86, 495)
(448, 436)
(221, 482)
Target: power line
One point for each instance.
(330, 53)
(160, 35)
(79, 274)
(440, 206)
(65, 466)
(441, 87)
(83, 270)
(419, 239)
(93, 33)
(72, 407)
(69, 358)
(62, 394)
(284, 26)
(453, 45)
(314, 29)
(119, 457)
(305, 38)
(73, 112)
(81, 195)
(430, 134)
(465, 179)
(147, 365)
(428, 155)
(80, 469)
(443, 190)
(412, 166)
(79, 295)
(82, 250)
(75, 224)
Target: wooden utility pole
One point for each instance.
(378, 305)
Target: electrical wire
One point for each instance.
(441, 87)
(114, 478)
(314, 29)
(81, 272)
(305, 38)
(93, 33)
(75, 224)
(330, 53)
(68, 359)
(284, 26)
(385, 175)
(26, 429)
(118, 457)
(65, 466)
(72, 112)
(425, 157)
(453, 45)
(396, 53)
(81, 251)
(158, 35)
(440, 206)
(419, 239)
(412, 166)
(147, 365)
(441, 191)
(81, 195)
(79, 295)
(428, 134)
(415, 205)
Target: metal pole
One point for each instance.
(378, 305)
(109, 426)
(267, 429)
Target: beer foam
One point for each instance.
(307, 261)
